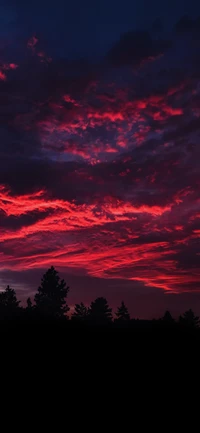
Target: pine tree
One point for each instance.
(167, 318)
(122, 312)
(50, 300)
(80, 312)
(29, 304)
(100, 312)
(9, 305)
(189, 319)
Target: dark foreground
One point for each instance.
(78, 356)
(121, 336)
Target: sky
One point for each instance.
(99, 150)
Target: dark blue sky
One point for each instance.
(87, 28)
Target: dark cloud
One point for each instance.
(187, 24)
(15, 223)
(136, 47)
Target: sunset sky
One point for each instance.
(100, 150)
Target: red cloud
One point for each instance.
(13, 66)
(43, 57)
(6, 67)
(21, 205)
(9, 66)
(128, 118)
(140, 260)
(2, 76)
(32, 42)
(68, 98)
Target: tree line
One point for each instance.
(50, 302)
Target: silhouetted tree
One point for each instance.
(189, 319)
(9, 305)
(100, 312)
(122, 312)
(80, 312)
(29, 304)
(50, 300)
(167, 318)
(30, 311)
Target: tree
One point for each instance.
(167, 318)
(29, 304)
(50, 300)
(189, 319)
(122, 312)
(80, 312)
(9, 305)
(30, 311)
(100, 312)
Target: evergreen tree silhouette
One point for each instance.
(122, 312)
(189, 319)
(29, 304)
(100, 312)
(80, 312)
(9, 305)
(30, 310)
(50, 300)
(167, 318)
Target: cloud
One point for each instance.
(99, 164)
(32, 42)
(136, 47)
(187, 24)
(6, 67)
(2, 76)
